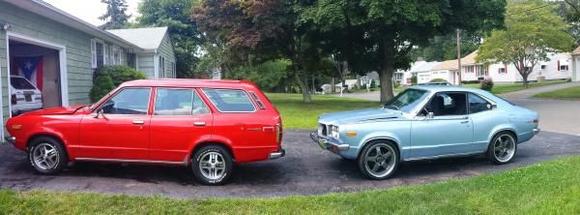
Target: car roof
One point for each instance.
(167, 82)
(442, 88)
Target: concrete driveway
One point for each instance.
(306, 170)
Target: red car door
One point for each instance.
(120, 130)
(180, 120)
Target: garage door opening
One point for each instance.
(35, 76)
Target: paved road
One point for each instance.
(555, 115)
(306, 170)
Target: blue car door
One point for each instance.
(444, 128)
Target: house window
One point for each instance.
(501, 70)
(563, 67)
(162, 67)
(97, 54)
(543, 67)
(173, 70)
(132, 60)
(116, 55)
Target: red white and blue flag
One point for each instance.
(30, 68)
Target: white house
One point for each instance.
(576, 64)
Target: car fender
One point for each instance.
(209, 138)
(382, 135)
(500, 128)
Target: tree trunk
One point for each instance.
(387, 70)
(525, 78)
(306, 98)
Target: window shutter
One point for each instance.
(105, 54)
(559, 65)
(93, 54)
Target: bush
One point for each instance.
(103, 84)
(116, 75)
(373, 84)
(487, 84)
(414, 80)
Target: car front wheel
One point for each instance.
(379, 160)
(47, 155)
(502, 148)
(212, 165)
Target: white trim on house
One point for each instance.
(62, 63)
(156, 65)
(2, 93)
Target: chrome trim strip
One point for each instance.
(443, 156)
(131, 161)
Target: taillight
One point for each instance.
(278, 134)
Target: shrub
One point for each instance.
(487, 84)
(373, 84)
(397, 84)
(414, 80)
(103, 84)
(109, 77)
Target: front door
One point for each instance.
(121, 130)
(180, 119)
(448, 132)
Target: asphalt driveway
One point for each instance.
(305, 170)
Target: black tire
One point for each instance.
(493, 151)
(204, 176)
(53, 162)
(371, 149)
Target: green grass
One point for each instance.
(299, 115)
(572, 93)
(547, 188)
(500, 88)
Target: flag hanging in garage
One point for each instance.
(30, 68)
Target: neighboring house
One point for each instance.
(157, 59)
(423, 71)
(61, 53)
(576, 64)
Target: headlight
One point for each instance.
(334, 132)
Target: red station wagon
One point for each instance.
(207, 124)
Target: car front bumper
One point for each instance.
(537, 131)
(330, 144)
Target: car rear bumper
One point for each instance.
(11, 140)
(276, 155)
(329, 143)
(537, 131)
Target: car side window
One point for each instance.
(128, 101)
(230, 100)
(172, 102)
(478, 104)
(448, 104)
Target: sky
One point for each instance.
(90, 10)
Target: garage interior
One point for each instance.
(40, 66)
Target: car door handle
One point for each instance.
(463, 122)
(199, 123)
(138, 122)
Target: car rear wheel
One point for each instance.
(212, 165)
(47, 155)
(379, 160)
(502, 148)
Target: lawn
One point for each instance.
(572, 93)
(552, 187)
(500, 88)
(298, 115)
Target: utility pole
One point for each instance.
(459, 56)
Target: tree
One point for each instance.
(532, 30)
(257, 31)
(385, 31)
(442, 48)
(185, 37)
(570, 10)
(116, 16)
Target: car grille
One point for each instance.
(322, 130)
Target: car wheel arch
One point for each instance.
(378, 139)
(510, 130)
(207, 143)
(49, 135)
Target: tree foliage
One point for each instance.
(442, 48)
(383, 32)
(116, 16)
(185, 37)
(532, 30)
(570, 10)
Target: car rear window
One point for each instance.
(21, 84)
(230, 100)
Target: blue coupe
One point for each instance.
(427, 122)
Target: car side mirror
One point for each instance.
(99, 114)
(491, 106)
(430, 115)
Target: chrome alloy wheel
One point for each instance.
(45, 156)
(504, 148)
(380, 160)
(212, 165)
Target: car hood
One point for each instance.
(55, 111)
(360, 115)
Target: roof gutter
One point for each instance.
(46, 10)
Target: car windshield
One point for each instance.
(21, 84)
(406, 100)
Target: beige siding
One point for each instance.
(166, 51)
(146, 64)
